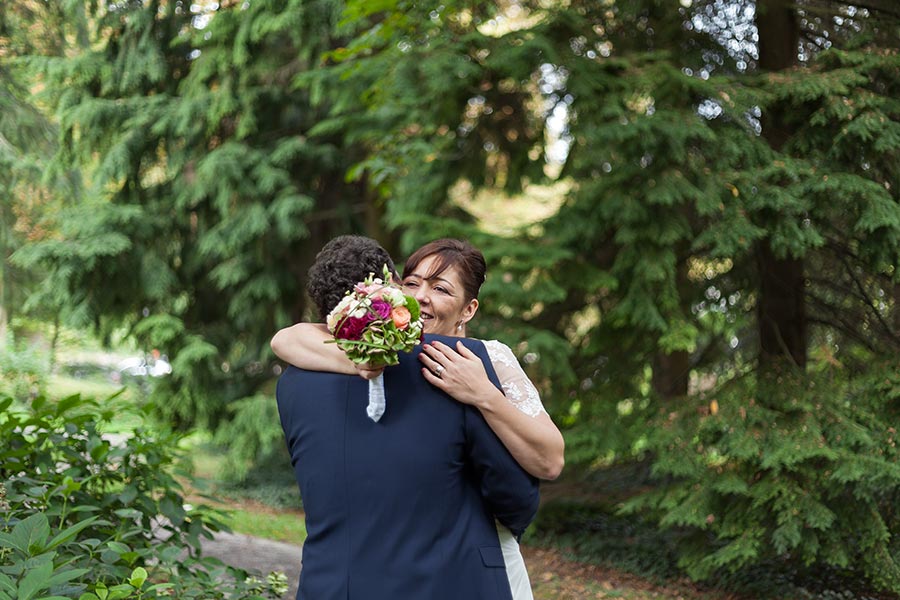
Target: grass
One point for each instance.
(247, 512)
(288, 527)
(60, 386)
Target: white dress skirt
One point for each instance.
(515, 565)
(519, 390)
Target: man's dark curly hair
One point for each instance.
(341, 264)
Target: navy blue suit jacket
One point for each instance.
(401, 509)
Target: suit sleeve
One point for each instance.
(510, 492)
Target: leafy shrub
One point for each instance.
(798, 469)
(253, 439)
(84, 518)
(23, 369)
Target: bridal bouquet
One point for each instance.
(373, 323)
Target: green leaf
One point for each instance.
(128, 513)
(138, 577)
(7, 585)
(128, 494)
(8, 541)
(172, 510)
(63, 576)
(29, 536)
(69, 402)
(70, 532)
(118, 547)
(35, 580)
(117, 592)
(70, 485)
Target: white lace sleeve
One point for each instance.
(516, 386)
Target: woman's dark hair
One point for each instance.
(341, 264)
(448, 252)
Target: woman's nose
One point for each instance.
(421, 295)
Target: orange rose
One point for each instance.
(400, 316)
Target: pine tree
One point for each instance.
(731, 213)
(722, 264)
(207, 190)
(27, 142)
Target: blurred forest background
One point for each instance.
(690, 211)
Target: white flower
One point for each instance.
(395, 296)
(361, 308)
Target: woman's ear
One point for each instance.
(469, 310)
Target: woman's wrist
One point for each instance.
(486, 401)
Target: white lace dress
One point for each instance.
(524, 396)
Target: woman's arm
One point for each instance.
(518, 418)
(303, 345)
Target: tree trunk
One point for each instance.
(781, 310)
(779, 34)
(895, 311)
(670, 374)
(54, 343)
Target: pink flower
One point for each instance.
(367, 289)
(382, 308)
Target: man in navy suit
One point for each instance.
(402, 508)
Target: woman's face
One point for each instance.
(442, 298)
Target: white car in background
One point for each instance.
(145, 366)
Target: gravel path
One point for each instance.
(257, 555)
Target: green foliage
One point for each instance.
(87, 518)
(255, 432)
(209, 154)
(23, 369)
(204, 191)
(795, 468)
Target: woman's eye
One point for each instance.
(410, 284)
(440, 289)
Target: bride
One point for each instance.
(445, 277)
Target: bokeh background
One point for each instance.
(689, 210)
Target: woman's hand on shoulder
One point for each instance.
(459, 373)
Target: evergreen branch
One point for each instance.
(842, 252)
(847, 330)
(868, 300)
(813, 38)
(873, 7)
(837, 245)
(837, 321)
(838, 286)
